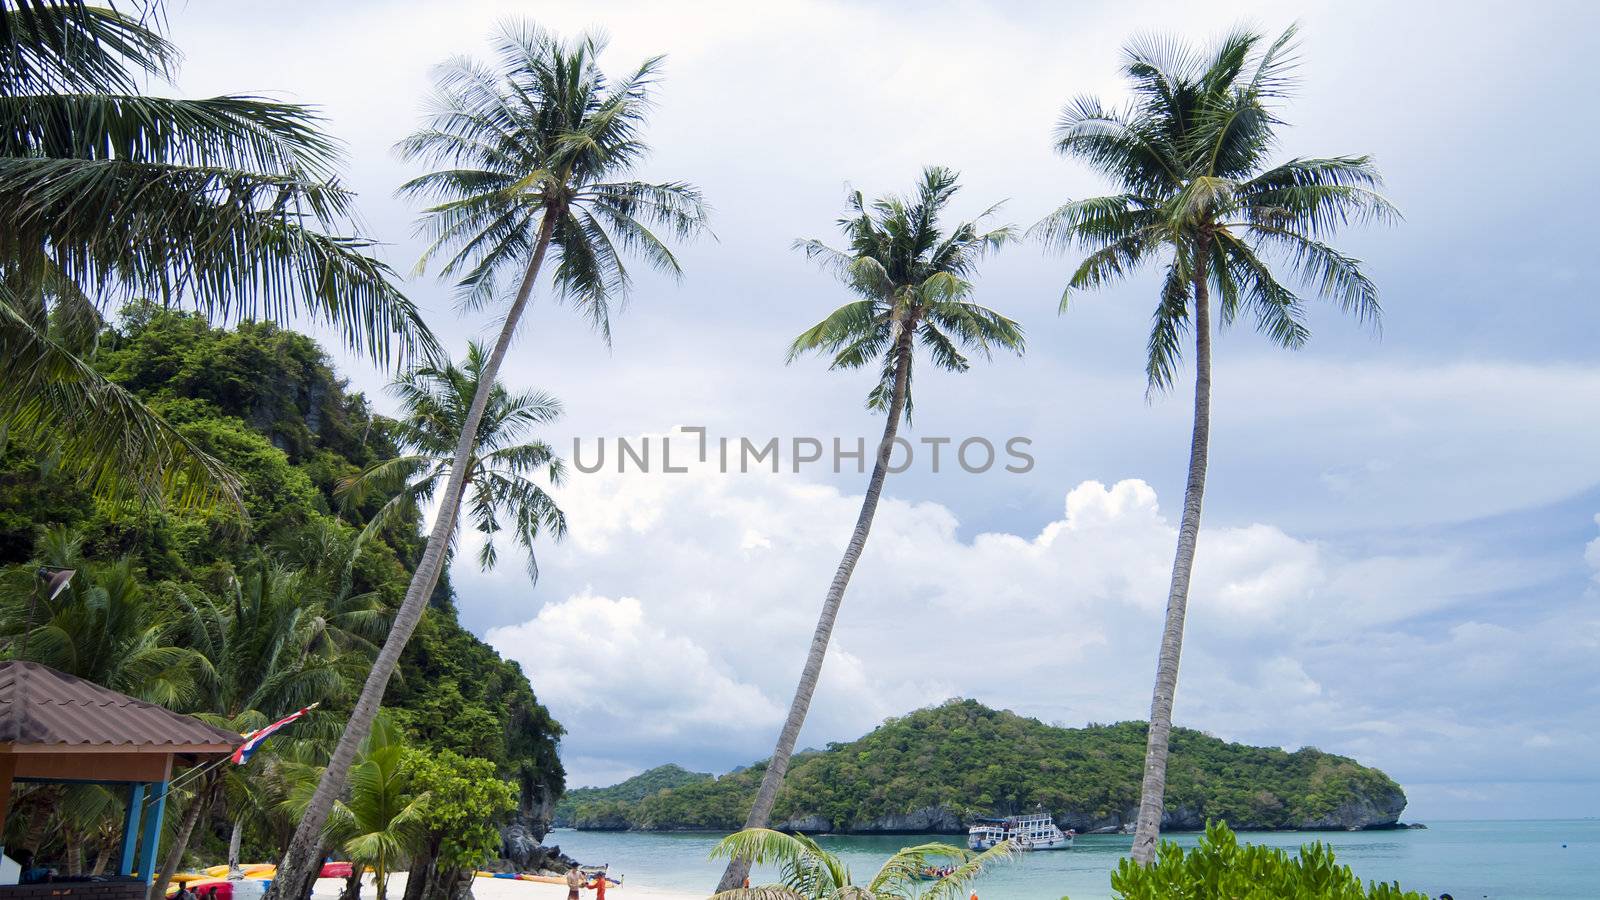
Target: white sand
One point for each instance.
(506, 889)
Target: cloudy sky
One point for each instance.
(1401, 553)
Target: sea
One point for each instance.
(1508, 860)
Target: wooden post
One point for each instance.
(150, 839)
(130, 829)
(8, 768)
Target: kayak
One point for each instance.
(263, 870)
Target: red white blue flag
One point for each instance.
(253, 739)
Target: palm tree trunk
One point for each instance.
(205, 795)
(761, 810)
(1152, 793)
(299, 865)
(234, 840)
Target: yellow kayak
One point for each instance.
(250, 870)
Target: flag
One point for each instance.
(253, 739)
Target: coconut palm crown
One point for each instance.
(915, 288)
(538, 148)
(1190, 155)
(435, 399)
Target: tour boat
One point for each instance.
(1035, 832)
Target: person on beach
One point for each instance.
(574, 882)
(599, 885)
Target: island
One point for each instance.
(937, 768)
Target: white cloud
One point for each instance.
(1592, 554)
(1290, 641)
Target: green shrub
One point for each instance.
(1221, 869)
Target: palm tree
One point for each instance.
(913, 280)
(381, 820)
(812, 873)
(436, 401)
(1190, 156)
(227, 204)
(104, 627)
(263, 651)
(530, 151)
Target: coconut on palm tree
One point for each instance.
(913, 281)
(1198, 192)
(534, 156)
(435, 400)
(226, 204)
(808, 872)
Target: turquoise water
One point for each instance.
(1552, 860)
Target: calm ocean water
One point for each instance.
(1524, 860)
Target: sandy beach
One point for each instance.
(504, 889)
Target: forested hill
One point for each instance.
(937, 768)
(599, 800)
(266, 403)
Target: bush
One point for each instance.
(1221, 869)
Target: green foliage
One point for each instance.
(1221, 869)
(972, 761)
(462, 800)
(499, 489)
(809, 872)
(380, 820)
(229, 204)
(1189, 157)
(637, 788)
(536, 153)
(248, 619)
(914, 281)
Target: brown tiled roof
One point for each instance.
(42, 707)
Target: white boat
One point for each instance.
(1035, 832)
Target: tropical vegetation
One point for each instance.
(808, 872)
(243, 616)
(227, 204)
(1190, 157)
(914, 287)
(1221, 867)
(534, 157)
(434, 401)
(938, 768)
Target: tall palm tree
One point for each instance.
(914, 285)
(1190, 156)
(532, 154)
(228, 204)
(812, 873)
(436, 400)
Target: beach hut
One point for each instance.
(58, 728)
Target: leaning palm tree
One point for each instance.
(809, 872)
(534, 156)
(436, 400)
(914, 285)
(227, 204)
(1190, 156)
